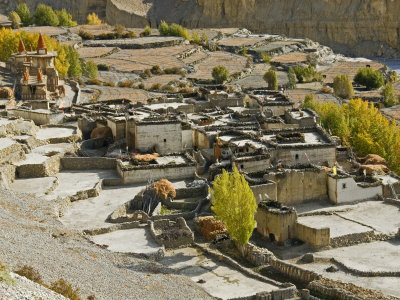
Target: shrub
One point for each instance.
(271, 79)
(146, 73)
(163, 28)
(147, 31)
(95, 82)
(369, 78)
(64, 18)
(174, 70)
(156, 86)
(125, 83)
(204, 38)
(266, 57)
(24, 13)
(220, 74)
(119, 29)
(243, 51)
(15, 20)
(156, 70)
(343, 87)
(307, 74)
(141, 86)
(131, 34)
(86, 35)
(389, 96)
(30, 273)
(173, 30)
(64, 288)
(196, 39)
(89, 69)
(181, 84)
(93, 19)
(233, 191)
(103, 67)
(168, 88)
(109, 83)
(45, 16)
(308, 101)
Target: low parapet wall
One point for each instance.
(88, 163)
(316, 237)
(155, 172)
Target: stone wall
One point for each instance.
(276, 224)
(295, 186)
(316, 237)
(318, 155)
(88, 163)
(171, 234)
(346, 190)
(293, 271)
(265, 191)
(40, 117)
(155, 172)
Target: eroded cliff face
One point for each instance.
(353, 27)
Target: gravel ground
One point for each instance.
(31, 234)
(24, 289)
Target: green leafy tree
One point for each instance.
(234, 203)
(45, 16)
(370, 78)
(24, 13)
(15, 19)
(343, 87)
(389, 95)
(220, 74)
(309, 101)
(75, 69)
(292, 79)
(65, 19)
(271, 79)
(89, 69)
(93, 19)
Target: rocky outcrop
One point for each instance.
(353, 27)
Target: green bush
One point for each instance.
(75, 68)
(147, 31)
(271, 79)
(369, 78)
(5, 274)
(266, 57)
(45, 16)
(307, 74)
(15, 20)
(64, 288)
(292, 79)
(196, 39)
(220, 74)
(173, 30)
(64, 18)
(89, 69)
(343, 87)
(24, 13)
(119, 29)
(389, 96)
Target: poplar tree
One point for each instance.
(234, 203)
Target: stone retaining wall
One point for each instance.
(88, 163)
(331, 293)
(293, 271)
(173, 241)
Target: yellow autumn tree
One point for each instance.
(93, 19)
(9, 41)
(234, 203)
(362, 127)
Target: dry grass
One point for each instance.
(290, 58)
(348, 68)
(165, 189)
